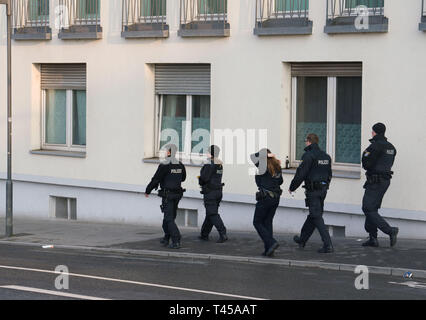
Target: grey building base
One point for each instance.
(277, 27)
(81, 33)
(205, 29)
(145, 30)
(377, 24)
(422, 25)
(32, 33)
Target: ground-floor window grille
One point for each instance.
(63, 208)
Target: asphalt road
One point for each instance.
(26, 271)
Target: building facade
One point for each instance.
(99, 86)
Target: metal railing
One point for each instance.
(79, 13)
(352, 8)
(203, 11)
(281, 9)
(32, 14)
(424, 9)
(143, 12)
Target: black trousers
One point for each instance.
(315, 202)
(371, 204)
(169, 207)
(263, 219)
(211, 203)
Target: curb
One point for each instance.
(389, 271)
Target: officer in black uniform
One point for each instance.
(377, 160)
(211, 184)
(169, 175)
(268, 180)
(315, 171)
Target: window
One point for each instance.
(213, 6)
(88, 9)
(292, 5)
(64, 119)
(185, 121)
(330, 107)
(350, 4)
(153, 8)
(38, 10)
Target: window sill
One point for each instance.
(146, 30)
(336, 173)
(57, 153)
(378, 24)
(89, 32)
(284, 26)
(205, 29)
(32, 33)
(186, 162)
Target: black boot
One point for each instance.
(299, 241)
(270, 251)
(165, 241)
(393, 236)
(326, 249)
(222, 238)
(203, 238)
(175, 245)
(371, 242)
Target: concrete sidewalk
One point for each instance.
(407, 255)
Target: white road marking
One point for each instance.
(53, 293)
(135, 283)
(411, 284)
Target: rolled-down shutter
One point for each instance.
(326, 69)
(63, 76)
(191, 79)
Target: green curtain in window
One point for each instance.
(173, 117)
(350, 4)
(291, 5)
(56, 117)
(200, 120)
(212, 6)
(38, 9)
(88, 9)
(79, 118)
(153, 8)
(311, 112)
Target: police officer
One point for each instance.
(268, 180)
(169, 175)
(211, 184)
(315, 171)
(377, 160)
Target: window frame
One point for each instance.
(69, 146)
(187, 153)
(331, 125)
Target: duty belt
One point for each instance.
(164, 192)
(315, 185)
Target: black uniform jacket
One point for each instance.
(169, 175)
(379, 157)
(266, 181)
(315, 167)
(211, 175)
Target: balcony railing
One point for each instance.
(144, 19)
(355, 16)
(204, 18)
(422, 25)
(31, 20)
(281, 17)
(79, 19)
